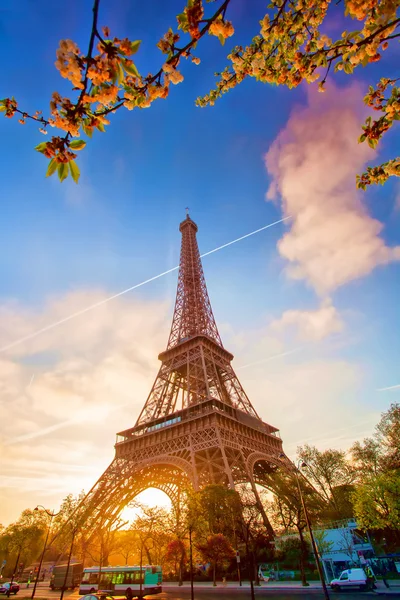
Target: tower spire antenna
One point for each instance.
(187, 212)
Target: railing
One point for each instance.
(189, 414)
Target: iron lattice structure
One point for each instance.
(197, 426)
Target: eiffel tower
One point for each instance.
(198, 426)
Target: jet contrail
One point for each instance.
(133, 287)
(392, 387)
(264, 360)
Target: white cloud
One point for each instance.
(310, 325)
(314, 401)
(313, 163)
(92, 377)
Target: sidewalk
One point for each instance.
(393, 590)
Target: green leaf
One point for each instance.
(87, 130)
(372, 143)
(101, 127)
(62, 171)
(74, 170)
(352, 34)
(135, 46)
(362, 138)
(41, 147)
(365, 60)
(2, 108)
(348, 68)
(52, 168)
(77, 144)
(131, 69)
(221, 39)
(120, 73)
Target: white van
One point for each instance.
(351, 578)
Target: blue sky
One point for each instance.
(65, 246)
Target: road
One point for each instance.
(261, 594)
(209, 593)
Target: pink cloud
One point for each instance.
(313, 163)
(313, 325)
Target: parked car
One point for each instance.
(6, 586)
(97, 596)
(351, 578)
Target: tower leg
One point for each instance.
(261, 508)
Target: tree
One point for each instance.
(22, 541)
(176, 556)
(126, 544)
(331, 474)
(218, 551)
(377, 502)
(291, 551)
(377, 462)
(287, 515)
(150, 527)
(290, 48)
(104, 542)
(381, 452)
(219, 507)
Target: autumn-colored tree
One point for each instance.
(218, 551)
(176, 556)
(150, 527)
(126, 544)
(292, 46)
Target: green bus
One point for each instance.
(122, 581)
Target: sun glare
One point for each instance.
(150, 497)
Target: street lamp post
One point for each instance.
(308, 522)
(13, 573)
(51, 515)
(68, 564)
(191, 564)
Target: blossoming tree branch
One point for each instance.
(290, 48)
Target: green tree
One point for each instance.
(215, 509)
(381, 452)
(377, 461)
(377, 502)
(22, 541)
(291, 551)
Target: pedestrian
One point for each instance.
(129, 594)
(384, 573)
(370, 578)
